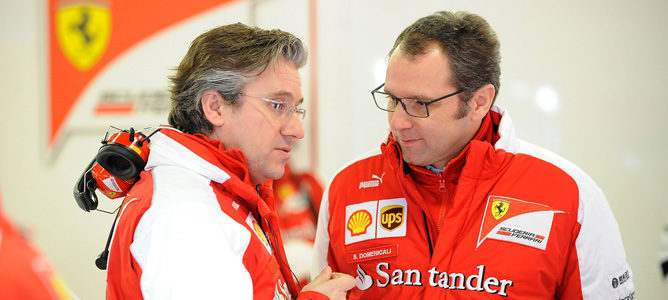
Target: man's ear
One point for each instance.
(481, 101)
(212, 105)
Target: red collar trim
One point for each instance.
(488, 132)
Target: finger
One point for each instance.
(324, 275)
(344, 281)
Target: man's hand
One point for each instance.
(333, 285)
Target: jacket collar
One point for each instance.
(503, 125)
(209, 158)
(489, 133)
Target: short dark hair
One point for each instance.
(467, 39)
(224, 59)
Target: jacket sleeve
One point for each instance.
(321, 243)
(312, 295)
(191, 252)
(597, 267)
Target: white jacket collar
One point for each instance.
(166, 151)
(508, 140)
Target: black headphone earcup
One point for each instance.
(84, 189)
(120, 161)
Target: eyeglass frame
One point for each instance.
(300, 111)
(425, 103)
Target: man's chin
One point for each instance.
(277, 173)
(414, 161)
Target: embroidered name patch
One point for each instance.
(372, 253)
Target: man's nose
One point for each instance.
(399, 119)
(293, 127)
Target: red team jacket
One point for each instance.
(195, 227)
(25, 273)
(506, 219)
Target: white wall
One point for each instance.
(604, 61)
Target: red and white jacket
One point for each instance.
(506, 219)
(195, 227)
(26, 273)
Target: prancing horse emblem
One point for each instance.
(499, 209)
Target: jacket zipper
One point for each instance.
(441, 182)
(442, 188)
(426, 227)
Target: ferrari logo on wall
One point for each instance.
(107, 61)
(83, 31)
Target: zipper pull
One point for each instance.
(441, 182)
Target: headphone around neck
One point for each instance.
(114, 170)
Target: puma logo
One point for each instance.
(374, 176)
(374, 182)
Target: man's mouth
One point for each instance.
(408, 141)
(286, 149)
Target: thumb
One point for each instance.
(324, 275)
(345, 281)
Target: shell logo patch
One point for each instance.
(359, 222)
(375, 219)
(499, 208)
(83, 31)
(528, 223)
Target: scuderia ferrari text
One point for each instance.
(453, 280)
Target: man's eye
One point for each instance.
(414, 103)
(393, 101)
(277, 106)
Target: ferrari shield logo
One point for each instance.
(499, 208)
(83, 31)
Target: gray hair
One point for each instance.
(224, 59)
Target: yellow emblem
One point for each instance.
(136, 149)
(499, 208)
(358, 222)
(284, 191)
(83, 31)
(259, 232)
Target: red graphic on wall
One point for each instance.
(84, 37)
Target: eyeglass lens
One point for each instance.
(411, 106)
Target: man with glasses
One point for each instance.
(200, 223)
(453, 205)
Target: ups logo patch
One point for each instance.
(391, 217)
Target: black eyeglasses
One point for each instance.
(414, 107)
